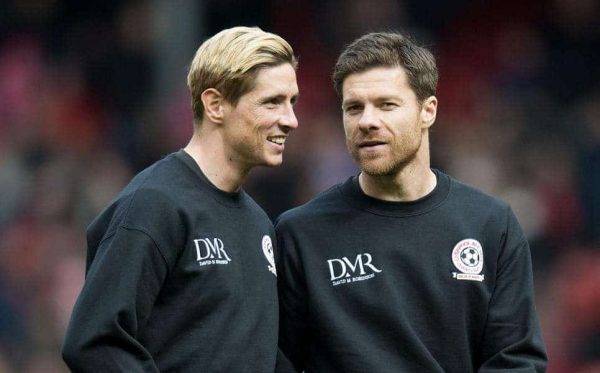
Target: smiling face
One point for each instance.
(384, 122)
(256, 128)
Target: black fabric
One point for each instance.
(176, 280)
(371, 286)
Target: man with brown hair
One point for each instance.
(402, 268)
(180, 272)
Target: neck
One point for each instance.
(210, 155)
(413, 181)
(405, 186)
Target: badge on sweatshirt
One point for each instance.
(267, 247)
(467, 257)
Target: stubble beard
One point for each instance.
(388, 163)
(247, 154)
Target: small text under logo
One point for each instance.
(211, 251)
(345, 271)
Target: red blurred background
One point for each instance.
(92, 92)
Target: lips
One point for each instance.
(370, 143)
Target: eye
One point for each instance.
(271, 101)
(388, 105)
(352, 109)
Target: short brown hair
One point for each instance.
(230, 60)
(388, 49)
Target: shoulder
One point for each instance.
(150, 200)
(156, 190)
(470, 204)
(253, 208)
(153, 203)
(326, 202)
(467, 196)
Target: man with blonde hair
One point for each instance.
(180, 273)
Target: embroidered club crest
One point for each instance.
(467, 257)
(267, 247)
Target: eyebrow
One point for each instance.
(350, 102)
(377, 100)
(280, 97)
(388, 98)
(384, 98)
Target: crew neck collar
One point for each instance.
(353, 193)
(233, 199)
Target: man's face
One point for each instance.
(383, 120)
(257, 127)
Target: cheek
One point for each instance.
(251, 128)
(348, 127)
(263, 121)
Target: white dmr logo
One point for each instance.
(345, 271)
(211, 251)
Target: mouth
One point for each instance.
(370, 144)
(278, 140)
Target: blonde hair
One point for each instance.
(230, 60)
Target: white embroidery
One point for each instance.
(211, 251)
(344, 271)
(267, 247)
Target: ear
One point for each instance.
(428, 111)
(213, 102)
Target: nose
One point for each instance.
(288, 118)
(368, 119)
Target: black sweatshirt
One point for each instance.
(441, 284)
(180, 277)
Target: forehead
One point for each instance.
(378, 81)
(280, 79)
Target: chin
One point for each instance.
(374, 170)
(377, 167)
(273, 162)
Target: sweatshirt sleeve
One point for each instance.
(512, 338)
(293, 309)
(121, 286)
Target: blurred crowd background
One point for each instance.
(91, 92)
